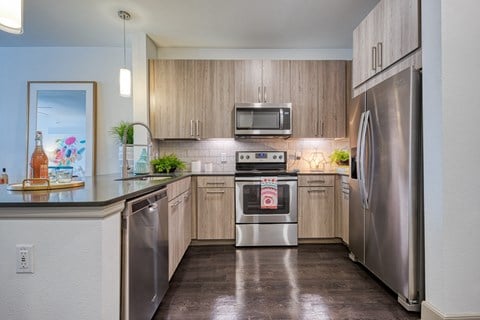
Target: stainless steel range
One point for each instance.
(262, 175)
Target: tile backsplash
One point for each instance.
(314, 153)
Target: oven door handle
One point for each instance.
(259, 179)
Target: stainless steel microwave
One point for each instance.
(263, 119)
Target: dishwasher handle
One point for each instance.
(142, 202)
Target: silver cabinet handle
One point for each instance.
(215, 191)
(258, 94)
(316, 181)
(323, 127)
(197, 128)
(380, 54)
(374, 59)
(264, 94)
(191, 128)
(316, 190)
(316, 128)
(176, 204)
(215, 183)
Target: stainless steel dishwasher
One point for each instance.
(144, 255)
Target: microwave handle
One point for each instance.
(281, 119)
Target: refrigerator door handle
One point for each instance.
(367, 125)
(360, 156)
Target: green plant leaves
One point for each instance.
(167, 163)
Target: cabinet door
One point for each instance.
(248, 80)
(276, 81)
(332, 107)
(214, 95)
(338, 208)
(304, 86)
(345, 219)
(215, 212)
(401, 24)
(187, 221)
(171, 98)
(316, 212)
(366, 37)
(174, 240)
(361, 55)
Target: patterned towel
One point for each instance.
(268, 193)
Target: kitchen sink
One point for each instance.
(151, 177)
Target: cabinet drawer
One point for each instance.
(316, 180)
(215, 182)
(178, 187)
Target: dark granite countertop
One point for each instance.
(98, 191)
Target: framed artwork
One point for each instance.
(65, 114)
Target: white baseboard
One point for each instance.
(430, 313)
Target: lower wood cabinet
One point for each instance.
(316, 206)
(215, 208)
(179, 222)
(342, 206)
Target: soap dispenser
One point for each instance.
(141, 166)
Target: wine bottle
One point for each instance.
(39, 160)
(4, 176)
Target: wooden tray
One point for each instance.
(43, 184)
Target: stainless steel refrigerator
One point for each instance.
(386, 215)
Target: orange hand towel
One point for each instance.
(269, 193)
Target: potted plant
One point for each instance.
(340, 157)
(119, 130)
(167, 164)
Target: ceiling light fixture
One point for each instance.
(11, 16)
(125, 74)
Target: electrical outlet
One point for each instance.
(24, 258)
(298, 155)
(223, 157)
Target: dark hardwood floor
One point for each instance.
(308, 282)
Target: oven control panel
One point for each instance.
(261, 157)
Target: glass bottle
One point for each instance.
(39, 160)
(4, 176)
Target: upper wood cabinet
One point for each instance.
(194, 99)
(184, 94)
(333, 108)
(262, 81)
(305, 98)
(214, 95)
(172, 111)
(318, 91)
(389, 32)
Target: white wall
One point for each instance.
(451, 132)
(19, 65)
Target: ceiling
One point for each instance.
(265, 24)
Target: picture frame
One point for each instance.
(65, 112)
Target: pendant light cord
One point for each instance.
(124, 15)
(124, 46)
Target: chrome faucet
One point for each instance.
(149, 145)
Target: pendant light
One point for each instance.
(11, 16)
(125, 74)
